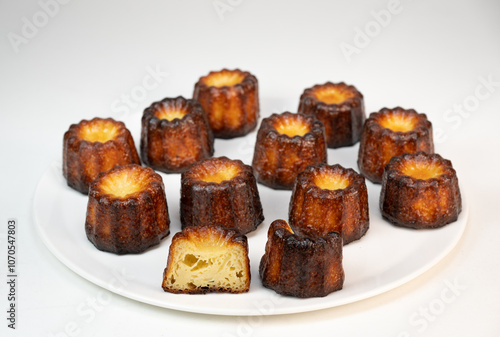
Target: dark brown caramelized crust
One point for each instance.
(330, 198)
(286, 144)
(127, 210)
(220, 191)
(420, 190)
(390, 133)
(341, 109)
(231, 100)
(301, 266)
(94, 146)
(175, 134)
(207, 259)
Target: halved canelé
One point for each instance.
(341, 109)
(420, 190)
(231, 100)
(330, 198)
(390, 133)
(220, 191)
(175, 134)
(94, 146)
(286, 144)
(301, 266)
(207, 259)
(127, 210)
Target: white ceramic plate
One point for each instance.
(386, 257)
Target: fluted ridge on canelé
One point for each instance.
(220, 191)
(172, 145)
(301, 266)
(127, 210)
(342, 207)
(420, 190)
(94, 146)
(341, 109)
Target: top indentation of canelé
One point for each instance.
(223, 78)
(123, 183)
(330, 181)
(420, 169)
(398, 121)
(99, 131)
(291, 125)
(218, 172)
(332, 94)
(170, 113)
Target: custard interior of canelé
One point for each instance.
(291, 126)
(422, 169)
(170, 113)
(332, 95)
(120, 184)
(223, 78)
(208, 262)
(330, 181)
(99, 131)
(219, 173)
(398, 121)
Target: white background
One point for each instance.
(63, 62)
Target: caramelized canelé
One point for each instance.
(286, 144)
(390, 133)
(231, 100)
(220, 191)
(420, 190)
(94, 146)
(207, 259)
(127, 210)
(175, 134)
(301, 266)
(341, 109)
(330, 198)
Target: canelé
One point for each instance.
(231, 100)
(390, 133)
(301, 266)
(94, 146)
(341, 109)
(420, 190)
(330, 198)
(286, 144)
(220, 191)
(175, 134)
(127, 210)
(207, 259)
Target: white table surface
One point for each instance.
(65, 61)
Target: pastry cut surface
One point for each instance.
(221, 191)
(420, 191)
(175, 134)
(231, 101)
(301, 266)
(340, 107)
(330, 198)
(207, 259)
(390, 133)
(127, 210)
(286, 144)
